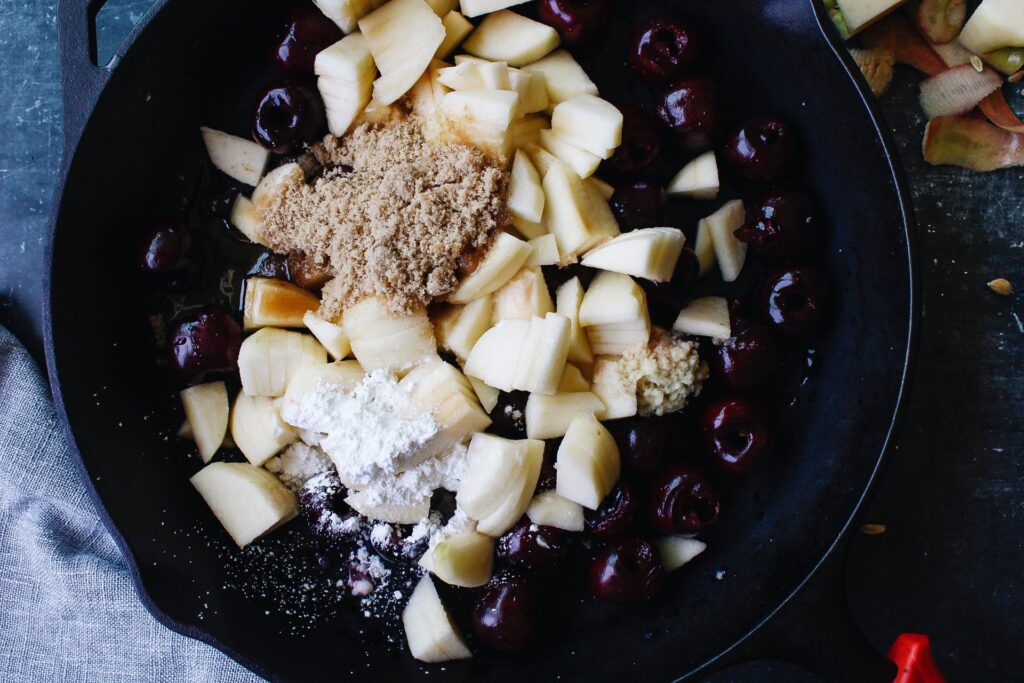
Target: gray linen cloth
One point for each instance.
(68, 609)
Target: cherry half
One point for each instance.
(577, 21)
(614, 515)
(663, 49)
(747, 359)
(782, 227)
(691, 109)
(206, 342)
(505, 615)
(638, 204)
(683, 501)
(765, 150)
(641, 141)
(793, 301)
(533, 547)
(306, 32)
(166, 256)
(628, 571)
(736, 435)
(287, 115)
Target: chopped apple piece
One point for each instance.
(590, 123)
(575, 213)
(479, 119)
(443, 7)
(612, 298)
(549, 417)
(465, 560)
(331, 337)
(530, 231)
(495, 76)
(542, 360)
(495, 356)
(345, 13)
(411, 513)
(465, 76)
(550, 509)
(533, 93)
(616, 392)
(445, 392)
(346, 71)
(269, 359)
(257, 428)
(456, 29)
(383, 339)
(467, 325)
(994, 25)
(697, 180)
(501, 476)
(403, 36)
(206, 413)
(247, 219)
(247, 500)
(729, 251)
(523, 297)
(859, 14)
(704, 247)
(579, 160)
(617, 338)
(346, 373)
(509, 37)
(676, 551)
(431, 635)
(525, 194)
(542, 159)
(649, 253)
(276, 303)
(545, 251)
(273, 185)
(568, 299)
(587, 462)
(705, 317)
(378, 113)
(500, 264)
(572, 381)
(475, 8)
(241, 159)
(564, 77)
(487, 395)
(603, 188)
(526, 129)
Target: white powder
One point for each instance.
(298, 464)
(370, 433)
(419, 482)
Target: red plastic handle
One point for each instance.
(912, 653)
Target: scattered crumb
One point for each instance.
(872, 529)
(1001, 286)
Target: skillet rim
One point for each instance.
(906, 214)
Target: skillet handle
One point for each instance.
(82, 79)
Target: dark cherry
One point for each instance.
(638, 203)
(508, 419)
(577, 21)
(750, 357)
(533, 547)
(548, 475)
(505, 615)
(287, 115)
(793, 301)
(396, 547)
(691, 109)
(208, 341)
(271, 265)
(642, 443)
(736, 435)
(666, 299)
(166, 256)
(782, 227)
(306, 32)
(322, 504)
(641, 141)
(683, 501)
(307, 273)
(662, 49)
(764, 151)
(628, 571)
(614, 515)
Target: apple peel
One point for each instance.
(997, 110)
(972, 142)
(897, 34)
(940, 21)
(957, 90)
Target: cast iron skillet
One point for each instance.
(130, 131)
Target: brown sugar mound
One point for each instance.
(390, 217)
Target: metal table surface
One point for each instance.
(952, 498)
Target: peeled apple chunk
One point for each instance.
(575, 213)
(612, 298)
(525, 194)
(246, 218)
(206, 412)
(551, 509)
(409, 513)
(431, 635)
(403, 36)
(443, 391)
(495, 356)
(346, 373)
(247, 500)
(508, 37)
(276, 303)
(500, 264)
(572, 380)
(456, 28)
(383, 339)
(480, 119)
(523, 297)
(501, 476)
(994, 25)
(859, 14)
(590, 123)
(587, 463)
(705, 317)
(345, 13)
(676, 551)
(269, 359)
(549, 417)
(582, 162)
(568, 299)
(241, 159)
(545, 251)
(704, 247)
(616, 392)
(649, 253)
(697, 180)
(331, 336)
(729, 251)
(533, 95)
(273, 185)
(475, 8)
(564, 77)
(257, 428)
(469, 323)
(542, 360)
(465, 560)
(346, 72)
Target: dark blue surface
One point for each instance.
(952, 500)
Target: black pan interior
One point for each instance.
(140, 155)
